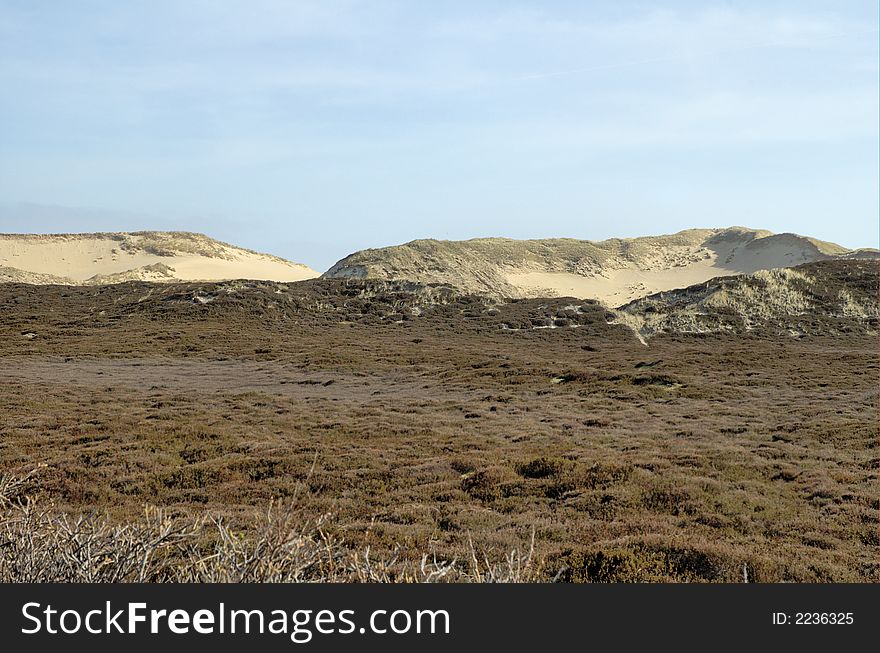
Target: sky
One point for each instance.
(311, 129)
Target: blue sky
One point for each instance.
(313, 128)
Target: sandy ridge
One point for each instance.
(100, 258)
(614, 271)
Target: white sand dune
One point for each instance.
(148, 256)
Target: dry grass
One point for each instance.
(823, 298)
(774, 295)
(39, 544)
(697, 458)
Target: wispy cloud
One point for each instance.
(351, 108)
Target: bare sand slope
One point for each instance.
(146, 256)
(674, 267)
(614, 271)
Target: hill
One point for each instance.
(614, 271)
(103, 258)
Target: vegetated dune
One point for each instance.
(103, 258)
(614, 271)
(826, 297)
(14, 275)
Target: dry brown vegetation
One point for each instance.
(40, 544)
(420, 420)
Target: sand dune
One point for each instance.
(678, 267)
(146, 256)
(614, 271)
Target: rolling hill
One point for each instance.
(614, 271)
(104, 258)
